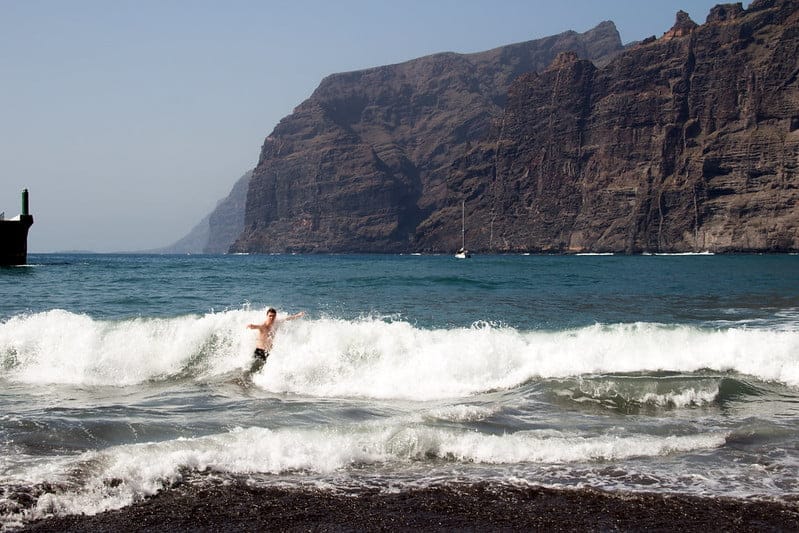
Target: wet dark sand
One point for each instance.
(481, 507)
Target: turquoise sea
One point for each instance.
(122, 375)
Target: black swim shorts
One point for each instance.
(260, 360)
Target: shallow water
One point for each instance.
(122, 374)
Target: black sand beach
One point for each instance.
(481, 507)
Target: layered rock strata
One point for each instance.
(361, 163)
(687, 142)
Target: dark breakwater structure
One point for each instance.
(14, 235)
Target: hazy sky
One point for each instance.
(128, 120)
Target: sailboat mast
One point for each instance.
(463, 224)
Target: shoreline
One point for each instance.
(225, 506)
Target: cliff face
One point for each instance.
(361, 163)
(689, 142)
(685, 143)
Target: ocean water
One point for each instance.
(121, 375)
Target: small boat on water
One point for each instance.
(463, 253)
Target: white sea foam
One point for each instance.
(120, 475)
(685, 253)
(376, 358)
(463, 413)
(62, 347)
(638, 392)
(681, 399)
(396, 360)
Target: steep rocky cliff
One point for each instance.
(687, 142)
(361, 163)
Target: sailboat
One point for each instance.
(463, 253)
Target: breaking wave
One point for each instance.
(386, 358)
(118, 476)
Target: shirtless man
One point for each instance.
(266, 336)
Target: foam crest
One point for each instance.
(377, 358)
(624, 392)
(555, 447)
(62, 347)
(121, 475)
(683, 398)
(463, 413)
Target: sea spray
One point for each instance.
(62, 347)
(371, 357)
